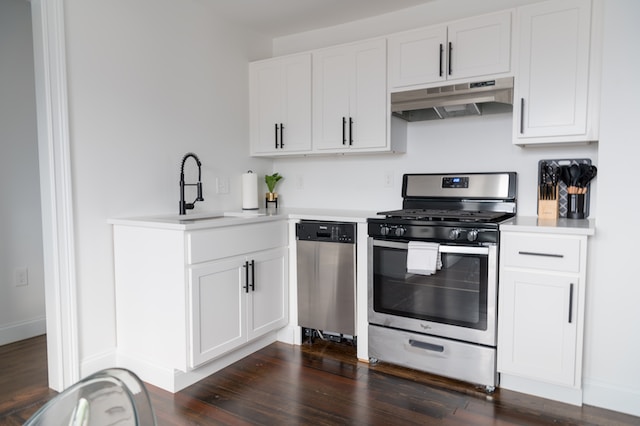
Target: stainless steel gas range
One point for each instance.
(433, 275)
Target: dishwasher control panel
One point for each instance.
(335, 232)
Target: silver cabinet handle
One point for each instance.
(521, 115)
(425, 345)
(570, 302)
(533, 253)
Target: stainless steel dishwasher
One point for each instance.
(326, 254)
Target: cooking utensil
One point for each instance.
(565, 175)
(574, 172)
(587, 176)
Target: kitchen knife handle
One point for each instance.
(246, 276)
(281, 138)
(450, 49)
(570, 302)
(441, 53)
(521, 115)
(253, 275)
(350, 131)
(344, 130)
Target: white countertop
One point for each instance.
(559, 226)
(215, 219)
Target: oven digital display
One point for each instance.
(455, 182)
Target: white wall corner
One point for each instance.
(97, 362)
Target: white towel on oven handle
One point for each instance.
(423, 258)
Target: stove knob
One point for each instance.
(472, 235)
(400, 232)
(454, 234)
(384, 230)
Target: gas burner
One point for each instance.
(453, 208)
(435, 215)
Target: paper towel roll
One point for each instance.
(249, 191)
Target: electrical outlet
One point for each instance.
(222, 185)
(21, 277)
(388, 180)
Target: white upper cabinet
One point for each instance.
(555, 92)
(417, 57)
(280, 103)
(350, 110)
(463, 49)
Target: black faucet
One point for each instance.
(183, 205)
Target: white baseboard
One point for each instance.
(98, 362)
(173, 380)
(15, 332)
(567, 395)
(290, 334)
(611, 396)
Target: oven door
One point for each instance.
(458, 301)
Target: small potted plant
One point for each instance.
(271, 181)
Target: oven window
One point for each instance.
(456, 294)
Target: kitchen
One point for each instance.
(145, 117)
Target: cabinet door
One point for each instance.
(537, 328)
(350, 97)
(268, 304)
(368, 105)
(217, 309)
(417, 57)
(332, 70)
(296, 135)
(479, 46)
(265, 87)
(280, 105)
(552, 83)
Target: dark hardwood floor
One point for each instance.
(319, 384)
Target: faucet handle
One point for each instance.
(199, 196)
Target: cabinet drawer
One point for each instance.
(548, 252)
(218, 243)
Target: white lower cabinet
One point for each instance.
(539, 331)
(541, 312)
(235, 300)
(189, 302)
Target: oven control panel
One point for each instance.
(443, 234)
(455, 182)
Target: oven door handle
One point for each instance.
(442, 249)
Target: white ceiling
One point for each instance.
(277, 18)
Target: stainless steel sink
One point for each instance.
(203, 217)
(188, 219)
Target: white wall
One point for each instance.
(21, 308)
(464, 144)
(148, 81)
(611, 370)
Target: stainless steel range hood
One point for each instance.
(477, 98)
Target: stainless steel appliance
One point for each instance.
(454, 100)
(326, 254)
(441, 318)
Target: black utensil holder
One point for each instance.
(576, 206)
